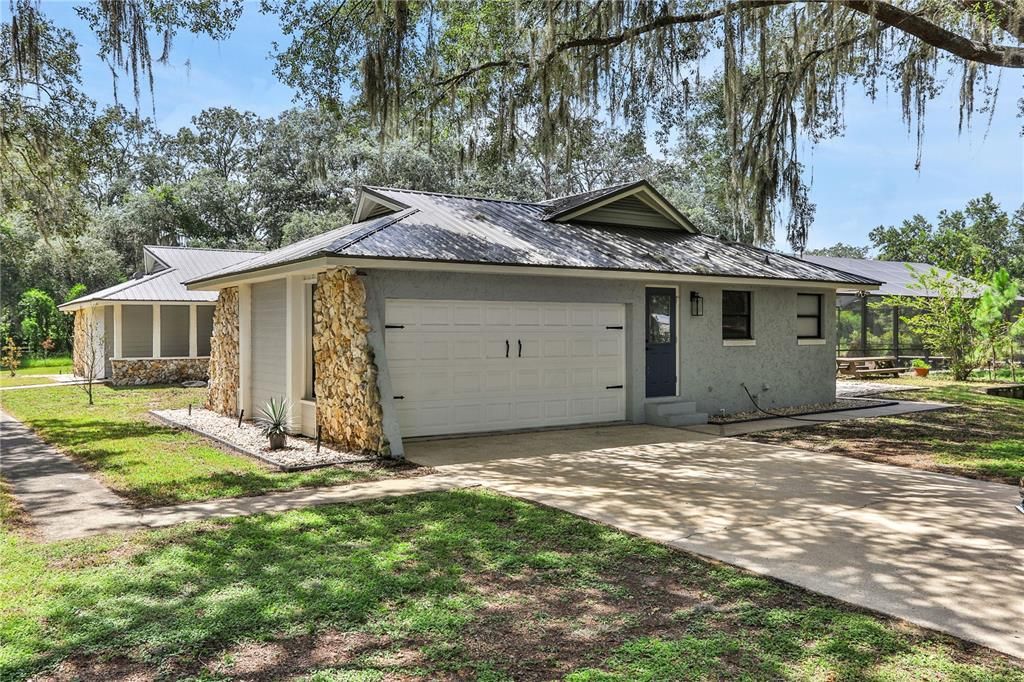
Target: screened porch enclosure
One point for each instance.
(868, 328)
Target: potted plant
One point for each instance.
(273, 421)
(920, 367)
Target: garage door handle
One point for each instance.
(520, 342)
(506, 348)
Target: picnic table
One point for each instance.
(877, 365)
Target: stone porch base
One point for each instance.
(141, 371)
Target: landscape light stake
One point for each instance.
(240, 414)
(318, 427)
(190, 409)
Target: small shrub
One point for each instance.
(273, 419)
(11, 356)
(920, 364)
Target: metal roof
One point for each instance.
(173, 266)
(455, 229)
(897, 277)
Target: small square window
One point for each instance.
(808, 316)
(736, 315)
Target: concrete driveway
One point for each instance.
(940, 551)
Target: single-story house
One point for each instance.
(150, 329)
(434, 314)
(867, 327)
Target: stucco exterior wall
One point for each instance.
(710, 373)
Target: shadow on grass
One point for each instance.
(417, 575)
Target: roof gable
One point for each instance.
(636, 204)
(373, 204)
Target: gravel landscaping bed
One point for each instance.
(297, 454)
(838, 406)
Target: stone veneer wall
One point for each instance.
(347, 397)
(140, 371)
(78, 344)
(223, 369)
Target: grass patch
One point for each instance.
(981, 437)
(152, 464)
(26, 378)
(455, 585)
(53, 364)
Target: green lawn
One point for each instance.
(28, 374)
(24, 378)
(54, 364)
(982, 437)
(151, 464)
(457, 585)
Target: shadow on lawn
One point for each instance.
(452, 582)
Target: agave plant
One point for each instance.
(273, 421)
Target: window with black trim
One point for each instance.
(736, 315)
(808, 316)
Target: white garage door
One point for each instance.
(464, 366)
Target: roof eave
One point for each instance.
(216, 283)
(568, 270)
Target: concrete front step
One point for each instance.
(674, 413)
(665, 408)
(693, 419)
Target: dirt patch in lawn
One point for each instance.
(530, 626)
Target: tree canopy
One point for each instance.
(490, 78)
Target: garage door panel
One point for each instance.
(448, 361)
(555, 316)
(554, 348)
(498, 381)
(466, 382)
(467, 315)
(526, 315)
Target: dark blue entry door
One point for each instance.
(660, 321)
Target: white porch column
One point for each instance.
(156, 330)
(118, 331)
(193, 331)
(294, 350)
(245, 348)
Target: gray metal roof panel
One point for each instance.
(897, 277)
(455, 229)
(326, 243)
(167, 284)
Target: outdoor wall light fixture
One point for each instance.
(696, 304)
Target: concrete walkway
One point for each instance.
(65, 502)
(778, 423)
(940, 551)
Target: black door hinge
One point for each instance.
(394, 326)
(615, 386)
(399, 397)
(614, 326)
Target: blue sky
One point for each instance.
(860, 180)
